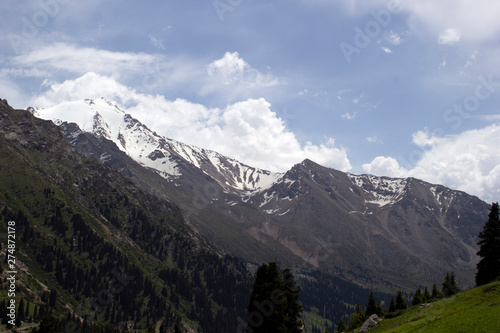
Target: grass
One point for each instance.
(474, 310)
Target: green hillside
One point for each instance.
(474, 310)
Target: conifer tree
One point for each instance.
(488, 268)
(371, 306)
(400, 301)
(392, 306)
(427, 296)
(49, 324)
(293, 309)
(435, 292)
(417, 298)
(450, 286)
(274, 305)
(341, 326)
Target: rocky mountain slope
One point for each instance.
(116, 250)
(92, 245)
(377, 231)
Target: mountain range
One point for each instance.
(379, 232)
(100, 251)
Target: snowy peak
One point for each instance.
(167, 157)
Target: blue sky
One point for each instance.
(397, 88)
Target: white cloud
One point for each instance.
(156, 42)
(61, 57)
(247, 130)
(450, 36)
(393, 38)
(231, 69)
(385, 166)
(423, 139)
(469, 162)
(373, 139)
(387, 50)
(349, 116)
(227, 79)
(476, 20)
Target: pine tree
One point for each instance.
(293, 309)
(341, 326)
(371, 306)
(268, 301)
(400, 301)
(488, 268)
(427, 296)
(392, 306)
(417, 298)
(435, 292)
(450, 286)
(49, 324)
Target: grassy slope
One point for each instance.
(474, 310)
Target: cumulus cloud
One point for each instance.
(385, 166)
(422, 138)
(248, 130)
(469, 161)
(386, 50)
(450, 36)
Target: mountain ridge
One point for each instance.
(309, 215)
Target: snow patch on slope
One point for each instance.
(380, 190)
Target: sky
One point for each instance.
(394, 88)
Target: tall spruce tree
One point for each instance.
(274, 302)
(417, 298)
(341, 326)
(488, 268)
(400, 301)
(293, 309)
(373, 307)
(450, 286)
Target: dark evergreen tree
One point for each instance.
(426, 296)
(49, 324)
(373, 307)
(392, 306)
(400, 301)
(293, 309)
(417, 298)
(488, 268)
(341, 326)
(436, 293)
(450, 286)
(274, 302)
(266, 308)
(20, 313)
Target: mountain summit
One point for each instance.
(166, 156)
(377, 231)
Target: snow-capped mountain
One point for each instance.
(370, 229)
(165, 156)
